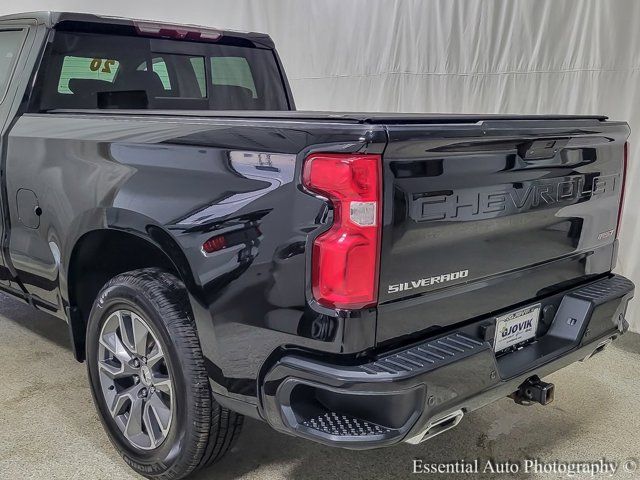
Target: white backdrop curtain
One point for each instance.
(462, 56)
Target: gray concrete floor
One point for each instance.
(49, 428)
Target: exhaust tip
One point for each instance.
(600, 348)
(437, 427)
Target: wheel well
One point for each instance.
(98, 257)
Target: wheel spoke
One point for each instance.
(140, 336)
(163, 384)
(155, 357)
(121, 399)
(161, 411)
(150, 425)
(156, 418)
(126, 330)
(112, 371)
(134, 422)
(113, 344)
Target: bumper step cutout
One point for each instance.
(332, 423)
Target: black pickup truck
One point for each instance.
(354, 279)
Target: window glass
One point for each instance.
(198, 68)
(10, 43)
(160, 68)
(86, 68)
(83, 70)
(232, 71)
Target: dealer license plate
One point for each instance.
(516, 327)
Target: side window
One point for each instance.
(83, 68)
(232, 71)
(10, 44)
(160, 68)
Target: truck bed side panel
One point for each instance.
(186, 181)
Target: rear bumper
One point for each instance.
(409, 394)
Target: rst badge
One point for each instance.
(607, 234)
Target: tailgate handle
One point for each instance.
(541, 149)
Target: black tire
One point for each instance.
(201, 431)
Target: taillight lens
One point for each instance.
(345, 259)
(625, 165)
(214, 244)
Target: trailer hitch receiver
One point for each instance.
(533, 390)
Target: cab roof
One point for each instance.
(68, 19)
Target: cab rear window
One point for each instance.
(102, 71)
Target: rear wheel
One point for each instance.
(148, 379)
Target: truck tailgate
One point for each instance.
(485, 215)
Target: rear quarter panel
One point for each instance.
(191, 179)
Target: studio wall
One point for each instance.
(462, 56)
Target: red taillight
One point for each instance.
(625, 165)
(214, 244)
(345, 259)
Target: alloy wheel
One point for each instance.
(135, 380)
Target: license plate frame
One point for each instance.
(516, 327)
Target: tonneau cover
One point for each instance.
(356, 117)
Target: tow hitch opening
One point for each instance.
(533, 390)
